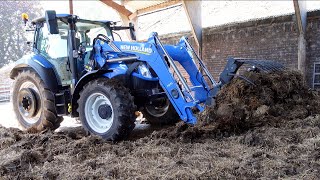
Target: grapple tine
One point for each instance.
(264, 65)
(233, 64)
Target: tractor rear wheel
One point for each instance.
(106, 109)
(163, 114)
(33, 103)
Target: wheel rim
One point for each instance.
(29, 104)
(157, 111)
(99, 122)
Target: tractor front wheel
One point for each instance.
(106, 109)
(33, 103)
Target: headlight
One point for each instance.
(144, 71)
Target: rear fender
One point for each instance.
(42, 67)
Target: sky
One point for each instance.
(173, 20)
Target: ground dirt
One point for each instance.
(266, 130)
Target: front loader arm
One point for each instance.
(161, 58)
(183, 97)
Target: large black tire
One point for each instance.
(116, 119)
(170, 116)
(45, 116)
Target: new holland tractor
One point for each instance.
(78, 69)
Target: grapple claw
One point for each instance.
(234, 64)
(264, 65)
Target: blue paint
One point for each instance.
(151, 54)
(30, 58)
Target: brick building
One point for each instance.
(274, 38)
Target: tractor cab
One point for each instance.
(66, 41)
(55, 46)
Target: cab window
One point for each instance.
(87, 31)
(52, 45)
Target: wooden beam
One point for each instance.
(158, 7)
(302, 58)
(301, 16)
(193, 11)
(119, 8)
(134, 15)
(70, 7)
(125, 22)
(125, 15)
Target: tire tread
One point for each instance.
(121, 98)
(48, 119)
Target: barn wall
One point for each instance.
(313, 42)
(273, 38)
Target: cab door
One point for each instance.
(54, 48)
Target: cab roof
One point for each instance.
(65, 16)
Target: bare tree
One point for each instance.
(12, 33)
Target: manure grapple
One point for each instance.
(78, 69)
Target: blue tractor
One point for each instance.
(77, 69)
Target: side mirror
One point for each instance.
(51, 20)
(132, 32)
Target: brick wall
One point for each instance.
(313, 42)
(273, 38)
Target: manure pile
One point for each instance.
(269, 130)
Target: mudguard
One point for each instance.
(41, 66)
(83, 81)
